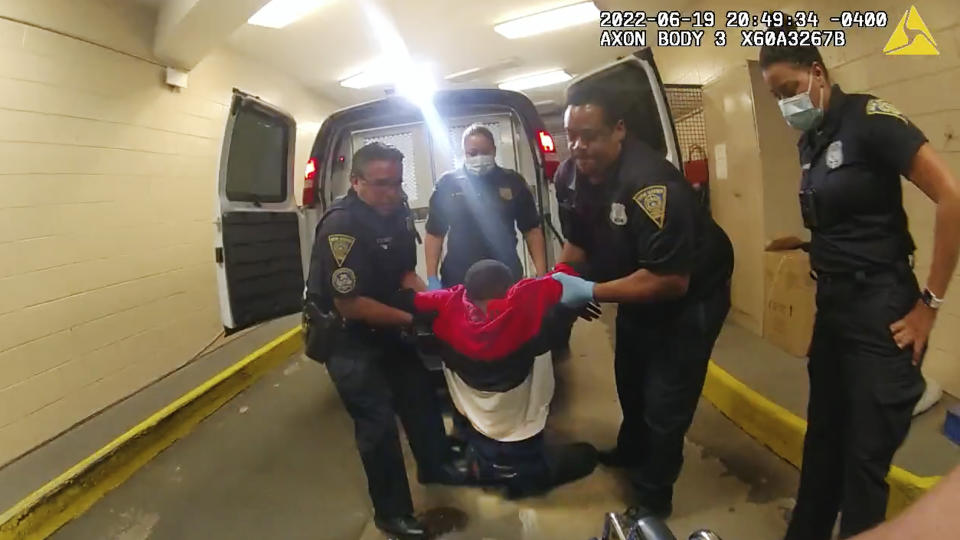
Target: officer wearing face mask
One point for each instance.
(872, 320)
(480, 206)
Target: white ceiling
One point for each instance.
(453, 35)
(336, 41)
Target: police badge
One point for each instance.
(618, 214)
(834, 156)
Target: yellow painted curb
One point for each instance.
(73, 492)
(782, 432)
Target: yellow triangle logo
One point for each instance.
(911, 36)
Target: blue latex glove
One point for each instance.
(433, 283)
(577, 292)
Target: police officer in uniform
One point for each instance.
(872, 320)
(481, 205)
(365, 251)
(650, 247)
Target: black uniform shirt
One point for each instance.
(851, 168)
(358, 252)
(644, 215)
(480, 213)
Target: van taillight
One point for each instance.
(550, 161)
(310, 183)
(546, 142)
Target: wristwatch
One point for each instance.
(930, 299)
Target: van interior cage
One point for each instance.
(686, 105)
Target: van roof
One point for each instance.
(395, 110)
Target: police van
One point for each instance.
(263, 239)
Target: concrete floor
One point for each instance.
(33, 470)
(279, 462)
(783, 378)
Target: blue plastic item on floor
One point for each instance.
(951, 427)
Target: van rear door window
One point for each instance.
(258, 158)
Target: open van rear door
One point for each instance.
(257, 243)
(648, 116)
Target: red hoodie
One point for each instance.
(509, 324)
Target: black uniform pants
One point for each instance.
(661, 363)
(378, 379)
(863, 389)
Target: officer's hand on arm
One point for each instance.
(589, 309)
(928, 171)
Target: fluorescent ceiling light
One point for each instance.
(482, 71)
(373, 76)
(280, 13)
(548, 21)
(536, 80)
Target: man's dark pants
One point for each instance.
(661, 361)
(863, 389)
(379, 378)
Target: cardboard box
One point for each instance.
(789, 300)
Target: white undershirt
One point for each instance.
(514, 415)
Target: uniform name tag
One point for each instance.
(653, 201)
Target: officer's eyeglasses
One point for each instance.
(383, 184)
(587, 137)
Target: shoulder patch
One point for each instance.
(879, 106)
(343, 280)
(653, 201)
(340, 246)
(506, 193)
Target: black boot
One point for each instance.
(614, 458)
(403, 528)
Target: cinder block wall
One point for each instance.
(107, 191)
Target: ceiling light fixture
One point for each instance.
(476, 73)
(536, 80)
(548, 21)
(280, 13)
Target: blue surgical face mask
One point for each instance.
(479, 164)
(799, 111)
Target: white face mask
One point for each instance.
(479, 164)
(799, 111)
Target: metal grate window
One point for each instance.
(686, 104)
(404, 143)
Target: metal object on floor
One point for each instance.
(649, 527)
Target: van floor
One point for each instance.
(279, 461)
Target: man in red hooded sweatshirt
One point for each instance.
(493, 336)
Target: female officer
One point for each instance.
(478, 205)
(872, 320)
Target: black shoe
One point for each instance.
(452, 473)
(401, 527)
(613, 458)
